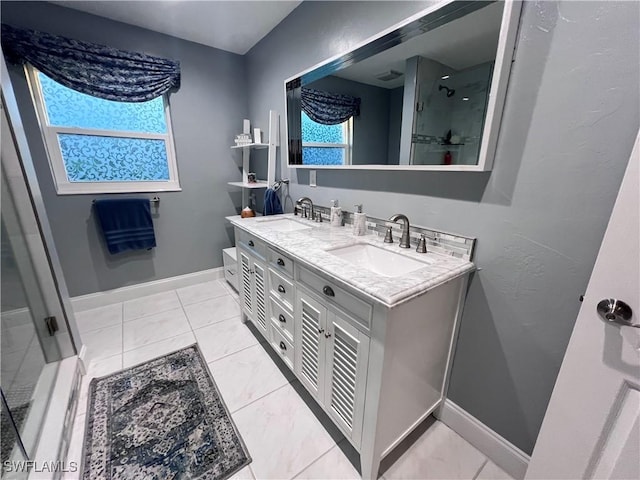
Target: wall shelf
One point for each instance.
(256, 146)
(257, 184)
(273, 137)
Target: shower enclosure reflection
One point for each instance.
(450, 112)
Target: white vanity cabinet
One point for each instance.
(253, 282)
(282, 293)
(377, 369)
(331, 361)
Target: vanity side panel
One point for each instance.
(416, 352)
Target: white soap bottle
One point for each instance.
(359, 222)
(336, 214)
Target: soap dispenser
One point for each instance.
(336, 214)
(359, 222)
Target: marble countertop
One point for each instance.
(310, 247)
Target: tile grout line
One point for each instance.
(258, 398)
(209, 324)
(254, 401)
(314, 461)
(486, 460)
(228, 354)
(155, 342)
(214, 323)
(102, 359)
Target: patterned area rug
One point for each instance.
(7, 432)
(163, 419)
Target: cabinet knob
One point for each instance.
(251, 244)
(281, 262)
(283, 346)
(327, 335)
(282, 319)
(281, 289)
(328, 291)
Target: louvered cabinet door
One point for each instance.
(260, 292)
(346, 375)
(309, 345)
(246, 284)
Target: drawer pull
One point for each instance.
(251, 244)
(282, 319)
(281, 289)
(328, 291)
(281, 262)
(283, 346)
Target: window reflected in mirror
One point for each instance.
(326, 144)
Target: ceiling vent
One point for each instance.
(389, 75)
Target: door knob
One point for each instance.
(616, 311)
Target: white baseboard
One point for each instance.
(100, 299)
(499, 450)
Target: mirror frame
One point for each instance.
(412, 26)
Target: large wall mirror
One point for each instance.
(426, 94)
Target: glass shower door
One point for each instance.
(29, 352)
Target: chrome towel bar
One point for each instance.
(155, 200)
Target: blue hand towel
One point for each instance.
(272, 204)
(126, 224)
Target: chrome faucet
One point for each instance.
(404, 240)
(301, 201)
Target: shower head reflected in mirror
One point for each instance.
(450, 91)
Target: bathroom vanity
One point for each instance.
(367, 327)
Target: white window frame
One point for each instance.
(56, 161)
(347, 132)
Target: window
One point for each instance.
(102, 146)
(326, 144)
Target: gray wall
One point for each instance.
(371, 127)
(206, 113)
(570, 120)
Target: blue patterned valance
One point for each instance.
(329, 108)
(96, 70)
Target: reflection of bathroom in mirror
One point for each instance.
(426, 96)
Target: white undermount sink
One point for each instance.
(378, 260)
(284, 225)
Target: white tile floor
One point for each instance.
(284, 437)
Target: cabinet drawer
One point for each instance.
(281, 345)
(282, 319)
(281, 263)
(230, 266)
(281, 289)
(356, 307)
(231, 276)
(251, 243)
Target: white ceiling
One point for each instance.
(234, 26)
(462, 43)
